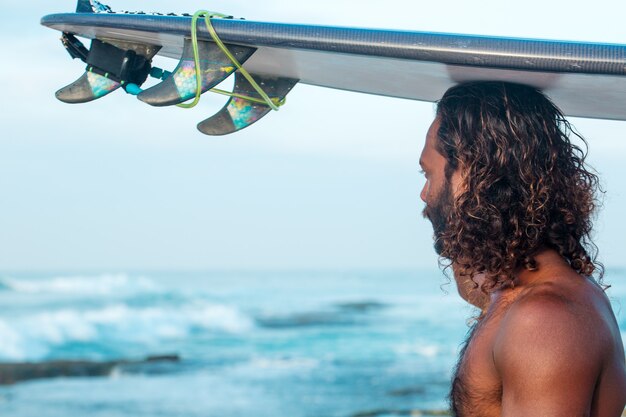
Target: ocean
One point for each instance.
(298, 344)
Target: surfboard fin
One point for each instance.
(109, 67)
(90, 86)
(181, 86)
(92, 6)
(239, 113)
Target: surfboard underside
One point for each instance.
(585, 80)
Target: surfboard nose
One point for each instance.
(182, 84)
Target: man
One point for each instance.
(511, 201)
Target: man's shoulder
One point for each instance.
(546, 321)
(543, 304)
(552, 346)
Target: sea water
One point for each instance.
(314, 344)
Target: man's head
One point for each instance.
(504, 181)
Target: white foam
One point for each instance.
(283, 364)
(426, 350)
(221, 317)
(10, 342)
(58, 327)
(105, 284)
(36, 336)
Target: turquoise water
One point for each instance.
(252, 344)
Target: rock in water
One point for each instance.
(11, 373)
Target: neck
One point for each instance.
(549, 264)
(470, 289)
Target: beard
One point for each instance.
(437, 212)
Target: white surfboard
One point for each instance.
(583, 79)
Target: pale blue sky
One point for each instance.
(331, 181)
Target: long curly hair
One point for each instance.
(525, 185)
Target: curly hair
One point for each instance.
(525, 185)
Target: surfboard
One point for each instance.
(583, 79)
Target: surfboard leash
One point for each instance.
(273, 103)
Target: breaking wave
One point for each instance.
(38, 336)
(105, 284)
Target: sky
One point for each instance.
(329, 182)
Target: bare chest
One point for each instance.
(476, 387)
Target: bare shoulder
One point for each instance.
(547, 320)
(550, 331)
(555, 348)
